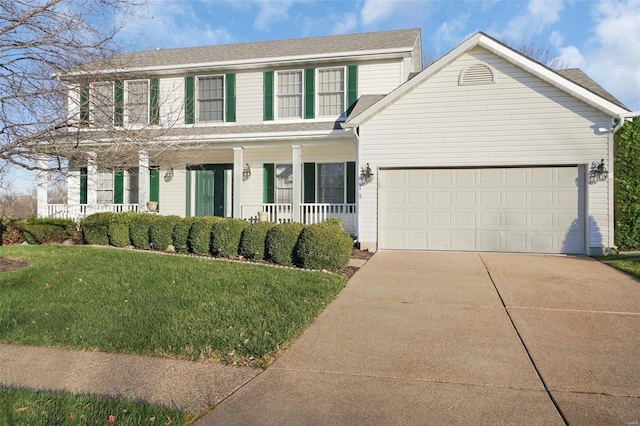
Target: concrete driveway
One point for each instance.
(460, 338)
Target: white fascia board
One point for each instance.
(251, 63)
(506, 53)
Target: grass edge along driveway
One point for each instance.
(145, 303)
(628, 263)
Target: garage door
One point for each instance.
(537, 209)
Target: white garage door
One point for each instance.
(537, 209)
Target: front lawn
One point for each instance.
(30, 407)
(629, 263)
(154, 304)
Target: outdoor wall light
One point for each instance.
(366, 175)
(168, 176)
(246, 172)
(598, 171)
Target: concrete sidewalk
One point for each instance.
(460, 338)
(194, 386)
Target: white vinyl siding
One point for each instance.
(101, 103)
(249, 98)
(518, 121)
(289, 90)
(73, 103)
(331, 91)
(379, 78)
(137, 102)
(210, 98)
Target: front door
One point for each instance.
(210, 182)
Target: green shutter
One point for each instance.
(84, 106)
(188, 195)
(309, 171)
(189, 99)
(268, 95)
(154, 96)
(352, 85)
(118, 187)
(118, 103)
(309, 92)
(269, 183)
(83, 185)
(154, 185)
(351, 182)
(230, 81)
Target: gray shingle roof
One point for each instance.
(580, 78)
(329, 45)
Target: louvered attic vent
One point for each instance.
(476, 74)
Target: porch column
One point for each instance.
(92, 182)
(296, 163)
(238, 160)
(143, 180)
(42, 186)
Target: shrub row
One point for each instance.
(37, 231)
(323, 245)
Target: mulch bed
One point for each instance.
(10, 265)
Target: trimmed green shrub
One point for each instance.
(627, 189)
(324, 245)
(181, 233)
(281, 243)
(119, 228)
(162, 232)
(225, 237)
(44, 231)
(95, 228)
(252, 242)
(200, 234)
(11, 231)
(139, 230)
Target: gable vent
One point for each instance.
(476, 74)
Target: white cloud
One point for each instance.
(343, 24)
(611, 55)
(375, 11)
(540, 15)
(271, 12)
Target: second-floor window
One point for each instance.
(137, 102)
(331, 93)
(211, 98)
(289, 94)
(101, 103)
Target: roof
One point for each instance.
(577, 76)
(264, 51)
(584, 89)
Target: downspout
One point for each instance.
(356, 132)
(624, 117)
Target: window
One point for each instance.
(101, 105)
(137, 102)
(331, 91)
(284, 184)
(289, 95)
(330, 183)
(211, 98)
(105, 187)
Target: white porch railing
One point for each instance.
(77, 212)
(309, 213)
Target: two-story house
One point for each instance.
(483, 150)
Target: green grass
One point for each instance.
(631, 267)
(34, 408)
(160, 305)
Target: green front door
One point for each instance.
(211, 183)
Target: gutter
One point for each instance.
(624, 117)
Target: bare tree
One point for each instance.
(541, 54)
(41, 40)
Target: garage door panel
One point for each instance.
(494, 209)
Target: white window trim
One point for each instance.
(125, 102)
(275, 93)
(92, 107)
(197, 99)
(317, 91)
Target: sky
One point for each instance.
(600, 37)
